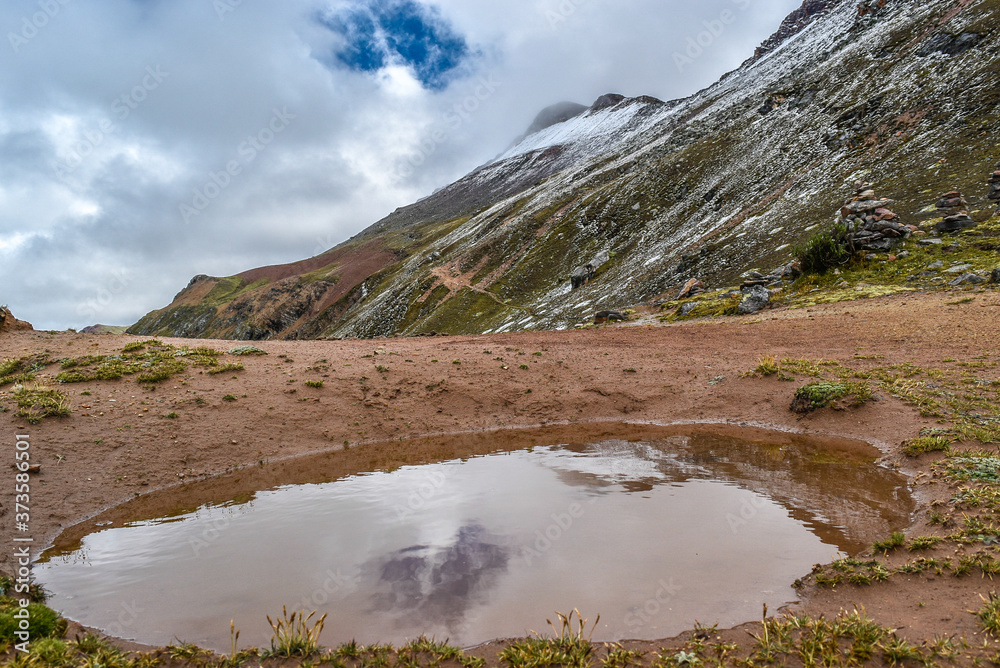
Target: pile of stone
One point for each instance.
(956, 218)
(871, 225)
(994, 195)
(776, 278)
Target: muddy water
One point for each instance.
(652, 533)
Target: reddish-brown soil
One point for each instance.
(118, 442)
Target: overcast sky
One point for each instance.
(145, 141)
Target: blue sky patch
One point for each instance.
(382, 32)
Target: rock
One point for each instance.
(876, 244)
(995, 275)
(955, 223)
(602, 317)
(867, 205)
(198, 279)
(951, 203)
(685, 309)
(948, 44)
(792, 270)
(958, 268)
(585, 273)
(936, 265)
(9, 323)
(888, 228)
(866, 194)
(600, 260)
(692, 288)
(929, 241)
(755, 298)
(902, 255)
(967, 279)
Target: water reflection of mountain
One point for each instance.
(844, 498)
(439, 583)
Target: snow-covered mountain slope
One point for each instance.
(898, 93)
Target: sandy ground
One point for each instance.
(118, 443)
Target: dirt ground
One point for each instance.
(118, 442)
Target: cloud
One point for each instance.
(114, 115)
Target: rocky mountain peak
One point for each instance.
(796, 21)
(607, 100)
(557, 113)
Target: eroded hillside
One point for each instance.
(900, 94)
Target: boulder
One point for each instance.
(602, 317)
(875, 244)
(585, 273)
(955, 223)
(865, 205)
(755, 298)
(685, 309)
(792, 270)
(580, 277)
(8, 323)
(951, 203)
(692, 288)
(967, 279)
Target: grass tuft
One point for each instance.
(768, 366)
(293, 635)
(894, 541)
(247, 350)
(41, 402)
(226, 368)
(915, 447)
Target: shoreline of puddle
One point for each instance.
(383, 456)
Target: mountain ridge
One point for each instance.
(712, 185)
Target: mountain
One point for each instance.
(897, 93)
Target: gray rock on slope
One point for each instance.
(586, 272)
(755, 298)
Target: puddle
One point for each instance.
(653, 530)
